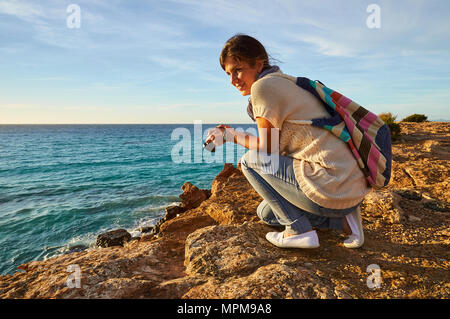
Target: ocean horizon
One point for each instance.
(63, 184)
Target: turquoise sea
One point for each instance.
(62, 185)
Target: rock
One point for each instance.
(412, 218)
(173, 210)
(76, 248)
(155, 229)
(147, 237)
(222, 251)
(409, 193)
(274, 281)
(437, 205)
(233, 199)
(220, 180)
(385, 205)
(223, 213)
(145, 229)
(192, 196)
(342, 292)
(180, 227)
(241, 264)
(113, 238)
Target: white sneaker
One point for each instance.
(356, 239)
(305, 240)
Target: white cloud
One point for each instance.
(23, 10)
(328, 47)
(172, 63)
(193, 67)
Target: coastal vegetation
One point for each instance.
(416, 118)
(394, 127)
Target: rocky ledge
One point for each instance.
(213, 246)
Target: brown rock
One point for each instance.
(244, 265)
(275, 281)
(172, 211)
(113, 238)
(385, 205)
(221, 179)
(192, 196)
(222, 251)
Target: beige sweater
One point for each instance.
(324, 167)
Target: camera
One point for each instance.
(210, 146)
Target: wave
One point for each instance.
(65, 166)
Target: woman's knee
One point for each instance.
(249, 159)
(265, 213)
(263, 210)
(246, 159)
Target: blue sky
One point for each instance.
(157, 61)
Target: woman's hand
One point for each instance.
(268, 140)
(220, 134)
(228, 132)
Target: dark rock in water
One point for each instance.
(191, 198)
(155, 229)
(76, 249)
(173, 210)
(145, 229)
(113, 238)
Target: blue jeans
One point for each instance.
(284, 203)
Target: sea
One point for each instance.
(62, 185)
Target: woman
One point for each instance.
(311, 179)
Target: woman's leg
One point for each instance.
(287, 214)
(265, 213)
(275, 182)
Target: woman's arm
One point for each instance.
(268, 140)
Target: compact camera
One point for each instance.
(210, 146)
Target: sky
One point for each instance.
(136, 61)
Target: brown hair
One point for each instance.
(244, 48)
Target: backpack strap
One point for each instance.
(305, 84)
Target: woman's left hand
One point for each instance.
(222, 130)
(223, 127)
(228, 132)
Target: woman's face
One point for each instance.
(241, 74)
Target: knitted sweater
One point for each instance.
(324, 167)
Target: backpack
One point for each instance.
(368, 137)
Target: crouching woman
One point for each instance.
(307, 177)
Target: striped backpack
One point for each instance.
(368, 137)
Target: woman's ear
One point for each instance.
(260, 65)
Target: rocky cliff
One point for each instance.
(215, 247)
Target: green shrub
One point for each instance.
(417, 118)
(393, 126)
